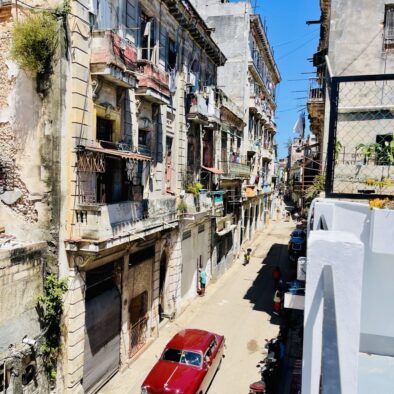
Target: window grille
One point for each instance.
(389, 28)
(187, 234)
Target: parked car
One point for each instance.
(297, 245)
(187, 365)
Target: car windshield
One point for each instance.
(183, 357)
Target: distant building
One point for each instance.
(349, 103)
(249, 77)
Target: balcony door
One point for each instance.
(104, 129)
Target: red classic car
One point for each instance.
(188, 364)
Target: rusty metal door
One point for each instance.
(102, 338)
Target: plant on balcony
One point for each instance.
(384, 182)
(385, 153)
(381, 203)
(182, 206)
(195, 189)
(317, 186)
(367, 150)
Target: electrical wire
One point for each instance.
(295, 39)
(297, 48)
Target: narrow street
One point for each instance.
(239, 306)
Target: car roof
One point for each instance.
(191, 339)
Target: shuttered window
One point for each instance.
(389, 28)
(132, 20)
(163, 46)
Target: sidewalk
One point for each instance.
(238, 305)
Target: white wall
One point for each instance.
(374, 328)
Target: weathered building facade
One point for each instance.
(133, 171)
(139, 141)
(249, 77)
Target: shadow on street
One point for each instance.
(261, 292)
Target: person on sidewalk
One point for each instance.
(247, 256)
(277, 303)
(203, 281)
(276, 276)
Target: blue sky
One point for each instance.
(293, 43)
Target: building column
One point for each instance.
(75, 327)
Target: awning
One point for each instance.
(118, 153)
(213, 170)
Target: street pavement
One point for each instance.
(238, 305)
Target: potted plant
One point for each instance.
(195, 189)
(382, 229)
(367, 150)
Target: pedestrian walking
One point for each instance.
(203, 281)
(247, 256)
(277, 302)
(276, 276)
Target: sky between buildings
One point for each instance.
(293, 43)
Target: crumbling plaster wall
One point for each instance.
(28, 129)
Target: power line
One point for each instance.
(296, 49)
(295, 39)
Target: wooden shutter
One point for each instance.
(163, 46)
(132, 20)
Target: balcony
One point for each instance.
(197, 109)
(113, 58)
(235, 170)
(153, 83)
(316, 103)
(101, 222)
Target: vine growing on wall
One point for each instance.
(50, 307)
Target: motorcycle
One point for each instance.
(257, 387)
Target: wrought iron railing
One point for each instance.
(138, 336)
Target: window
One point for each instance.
(389, 28)
(385, 150)
(201, 228)
(187, 234)
(104, 129)
(182, 356)
(147, 37)
(171, 56)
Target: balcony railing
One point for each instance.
(113, 58)
(153, 82)
(198, 108)
(105, 221)
(316, 94)
(234, 169)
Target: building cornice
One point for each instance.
(264, 45)
(187, 16)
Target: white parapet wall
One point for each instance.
(332, 312)
(351, 254)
